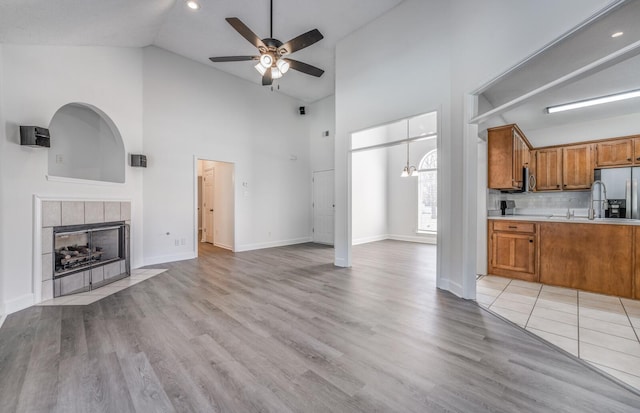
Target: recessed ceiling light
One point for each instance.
(617, 34)
(193, 5)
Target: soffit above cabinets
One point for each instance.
(585, 63)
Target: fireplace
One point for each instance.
(89, 256)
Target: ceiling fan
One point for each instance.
(272, 63)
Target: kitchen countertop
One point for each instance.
(563, 219)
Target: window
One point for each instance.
(428, 193)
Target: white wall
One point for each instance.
(3, 144)
(591, 130)
(37, 81)
(370, 194)
(322, 117)
(194, 110)
(371, 90)
(462, 44)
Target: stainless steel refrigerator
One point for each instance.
(622, 191)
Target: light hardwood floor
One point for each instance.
(283, 330)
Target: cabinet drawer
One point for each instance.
(513, 226)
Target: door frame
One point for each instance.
(234, 200)
(211, 238)
(313, 209)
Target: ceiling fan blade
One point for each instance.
(267, 80)
(305, 68)
(233, 58)
(300, 42)
(246, 32)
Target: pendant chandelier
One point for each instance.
(409, 170)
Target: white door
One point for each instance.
(207, 215)
(323, 207)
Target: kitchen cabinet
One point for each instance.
(512, 249)
(577, 167)
(508, 153)
(636, 272)
(617, 152)
(590, 257)
(548, 169)
(636, 150)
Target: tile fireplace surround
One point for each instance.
(55, 213)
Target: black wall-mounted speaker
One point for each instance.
(302, 110)
(35, 136)
(139, 160)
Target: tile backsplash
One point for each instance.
(540, 203)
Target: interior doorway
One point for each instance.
(215, 204)
(394, 181)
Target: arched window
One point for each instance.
(428, 192)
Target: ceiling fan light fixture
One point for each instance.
(283, 65)
(266, 60)
(275, 73)
(261, 69)
(405, 172)
(193, 5)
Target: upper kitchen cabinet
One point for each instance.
(548, 169)
(617, 152)
(508, 153)
(636, 150)
(577, 166)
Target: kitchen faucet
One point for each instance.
(604, 198)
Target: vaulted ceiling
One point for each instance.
(197, 35)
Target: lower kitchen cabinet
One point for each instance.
(590, 257)
(512, 246)
(600, 258)
(636, 272)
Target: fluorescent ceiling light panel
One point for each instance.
(595, 101)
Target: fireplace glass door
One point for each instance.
(89, 256)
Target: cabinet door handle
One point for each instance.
(530, 240)
(638, 158)
(628, 159)
(512, 227)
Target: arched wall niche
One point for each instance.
(86, 144)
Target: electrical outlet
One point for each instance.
(177, 242)
(59, 158)
(182, 241)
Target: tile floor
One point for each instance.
(137, 275)
(600, 329)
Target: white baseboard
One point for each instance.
(340, 262)
(366, 240)
(225, 246)
(423, 239)
(453, 288)
(169, 258)
(18, 304)
(272, 244)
